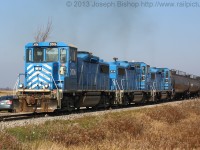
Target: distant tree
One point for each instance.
(44, 33)
(5, 88)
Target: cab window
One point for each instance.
(63, 55)
(51, 54)
(121, 71)
(104, 69)
(167, 74)
(38, 55)
(137, 66)
(73, 54)
(28, 55)
(143, 70)
(153, 76)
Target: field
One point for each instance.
(159, 127)
(5, 92)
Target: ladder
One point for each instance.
(153, 91)
(118, 92)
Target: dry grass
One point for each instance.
(168, 114)
(3, 92)
(164, 127)
(8, 141)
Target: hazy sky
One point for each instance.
(162, 36)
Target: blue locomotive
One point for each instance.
(58, 76)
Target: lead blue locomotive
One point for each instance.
(57, 76)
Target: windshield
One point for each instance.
(51, 54)
(43, 54)
(38, 55)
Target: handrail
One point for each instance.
(18, 80)
(54, 81)
(16, 85)
(153, 86)
(116, 84)
(122, 83)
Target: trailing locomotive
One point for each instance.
(57, 76)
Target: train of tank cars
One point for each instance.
(58, 77)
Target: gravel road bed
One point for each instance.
(36, 121)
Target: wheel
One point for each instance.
(11, 110)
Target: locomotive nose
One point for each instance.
(39, 76)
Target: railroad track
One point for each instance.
(21, 116)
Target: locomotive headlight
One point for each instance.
(35, 44)
(38, 68)
(21, 86)
(52, 44)
(46, 86)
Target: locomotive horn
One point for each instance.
(115, 58)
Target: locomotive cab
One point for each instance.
(142, 71)
(141, 77)
(155, 78)
(118, 81)
(166, 79)
(49, 67)
(50, 63)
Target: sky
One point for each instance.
(160, 33)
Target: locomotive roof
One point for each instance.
(86, 56)
(140, 63)
(58, 44)
(123, 64)
(154, 69)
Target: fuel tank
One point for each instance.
(89, 99)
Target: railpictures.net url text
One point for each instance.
(132, 4)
